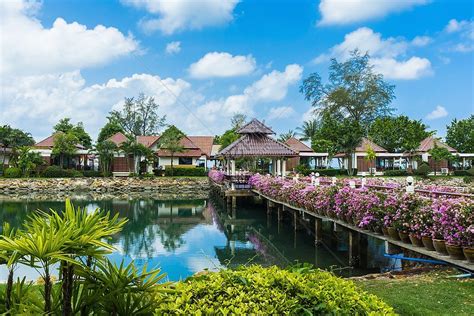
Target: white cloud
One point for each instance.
(464, 32)
(421, 41)
(179, 15)
(334, 12)
(437, 113)
(30, 48)
(217, 64)
(280, 112)
(385, 54)
(271, 87)
(173, 48)
(308, 115)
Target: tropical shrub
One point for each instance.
(256, 290)
(92, 173)
(423, 170)
(461, 173)
(395, 173)
(58, 172)
(12, 172)
(186, 171)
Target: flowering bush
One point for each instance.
(217, 176)
(451, 219)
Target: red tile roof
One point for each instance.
(255, 126)
(49, 143)
(429, 143)
(204, 143)
(118, 138)
(257, 145)
(147, 141)
(366, 143)
(298, 145)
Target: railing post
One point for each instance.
(318, 230)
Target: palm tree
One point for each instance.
(285, 136)
(12, 259)
(308, 130)
(170, 140)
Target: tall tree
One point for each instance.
(170, 141)
(65, 126)
(371, 156)
(106, 150)
(398, 134)
(110, 128)
(139, 116)
(238, 120)
(460, 135)
(285, 136)
(136, 150)
(65, 145)
(308, 130)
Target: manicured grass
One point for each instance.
(426, 294)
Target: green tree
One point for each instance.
(28, 160)
(65, 145)
(109, 129)
(353, 97)
(65, 126)
(308, 130)
(371, 156)
(354, 91)
(13, 138)
(398, 134)
(285, 136)
(133, 148)
(139, 116)
(238, 120)
(460, 135)
(438, 154)
(170, 141)
(106, 150)
(228, 138)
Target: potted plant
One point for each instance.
(421, 228)
(441, 218)
(390, 205)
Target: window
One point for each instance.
(185, 161)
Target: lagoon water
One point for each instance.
(183, 237)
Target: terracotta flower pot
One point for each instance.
(469, 254)
(404, 237)
(393, 233)
(385, 231)
(415, 240)
(455, 252)
(440, 247)
(377, 229)
(428, 243)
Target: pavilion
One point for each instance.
(255, 142)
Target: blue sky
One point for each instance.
(206, 60)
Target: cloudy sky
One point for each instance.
(205, 60)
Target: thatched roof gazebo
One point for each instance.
(255, 142)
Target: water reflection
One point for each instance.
(183, 237)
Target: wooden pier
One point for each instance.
(356, 235)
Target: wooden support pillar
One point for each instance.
(363, 251)
(318, 231)
(229, 201)
(283, 168)
(234, 202)
(278, 167)
(295, 220)
(354, 258)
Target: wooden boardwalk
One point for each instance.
(389, 242)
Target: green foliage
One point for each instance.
(398, 134)
(139, 116)
(12, 172)
(439, 153)
(395, 173)
(28, 161)
(308, 130)
(256, 290)
(303, 169)
(460, 135)
(92, 174)
(58, 172)
(65, 145)
(423, 170)
(170, 141)
(354, 90)
(238, 120)
(186, 171)
(106, 150)
(109, 129)
(471, 171)
(13, 138)
(228, 138)
(467, 179)
(65, 126)
(323, 146)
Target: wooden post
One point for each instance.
(354, 238)
(295, 220)
(283, 168)
(234, 202)
(318, 231)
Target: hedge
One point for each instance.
(92, 173)
(395, 173)
(186, 171)
(256, 290)
(58, 172)
(423, 170)
(12, 172)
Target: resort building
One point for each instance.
(81, 160)
(197, 151)
(5, 154)
(443, 166)
(306, 155)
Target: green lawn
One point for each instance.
(426, 294)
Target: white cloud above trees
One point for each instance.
(178, 15)
(388, 56)
(173, 48)
(340, 12)
(220, 64)
(437, 113)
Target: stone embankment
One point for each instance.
(115, 186)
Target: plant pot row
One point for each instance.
(438, 245)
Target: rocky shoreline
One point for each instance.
(194, 187)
